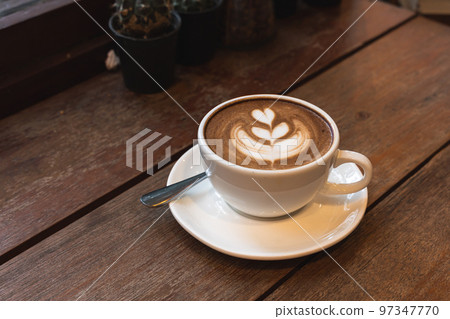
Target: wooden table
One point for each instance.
(70, 206)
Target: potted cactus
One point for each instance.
(199, 34)
(147, 30)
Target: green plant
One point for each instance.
(193, 5)
(143, 18)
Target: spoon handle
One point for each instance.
(166, 194)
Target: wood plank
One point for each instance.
(52, 74)
(167, 263)
(379, 96)
(400, 252)
(68, 151)
(74, 254)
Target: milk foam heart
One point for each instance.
(266, 135)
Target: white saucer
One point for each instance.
(204, 215)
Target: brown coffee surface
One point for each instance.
(261, 134)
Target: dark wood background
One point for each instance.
(70, 205)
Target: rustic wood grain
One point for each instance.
(50, 75)
(392, 106)
(400, 252)
(75, 257)
(68, 151)
(167, 263)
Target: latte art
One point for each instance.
(260, 135)
(274, 143)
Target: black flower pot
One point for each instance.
(284, 8)
(156, 55)
(323, 3)
(199, 36)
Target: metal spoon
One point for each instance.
(169, 193)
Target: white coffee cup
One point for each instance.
(273, 193)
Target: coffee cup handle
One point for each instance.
(350, 157)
